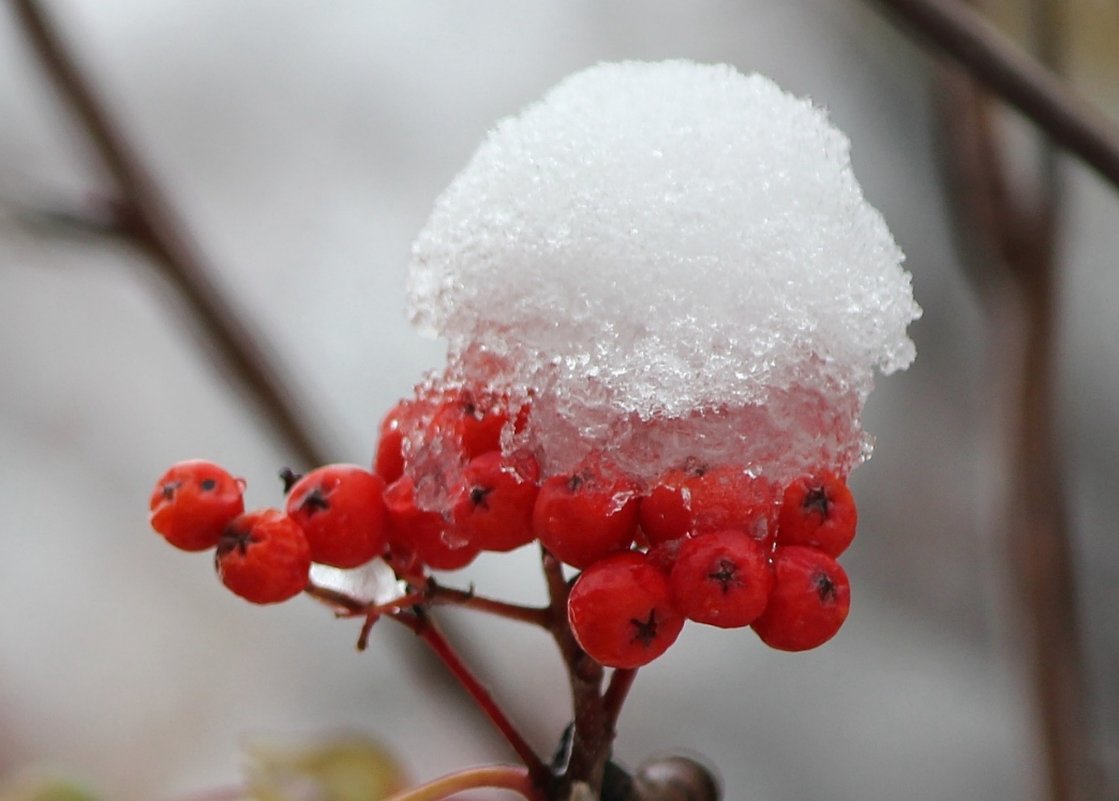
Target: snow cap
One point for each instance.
(672, 261)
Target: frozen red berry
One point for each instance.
(193, 502)
(698, 499)
(493, 502)
(809, 602)
(818, 511)
(585, 516)
(473, 421)
(341, 510)
(263, 556)
(403, 418)
(620, 612)
(722, 579)
(729, 497)
(666, 511)
(420, 534)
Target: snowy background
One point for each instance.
(305, 144)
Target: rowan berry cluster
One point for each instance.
(713, 544)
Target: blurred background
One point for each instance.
(304, 144)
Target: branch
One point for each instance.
(590, 739)
(335, 599)
(150, 220)
(438, 595)
(424, 627)
(1008, 239)
(1069, 120)
(433, 594)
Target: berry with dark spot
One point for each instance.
(818, 512)
(422, 535)
(473, 421)
(620, 612)
(699, 499)
(585, 516)
(341, 510)
(263, 556)
(493, 502)
(193, 502)
(809, 602)
(729, 497)
(721, 579)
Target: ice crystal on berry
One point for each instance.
(671, 260)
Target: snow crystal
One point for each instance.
(669, 260)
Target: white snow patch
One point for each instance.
(672, 260)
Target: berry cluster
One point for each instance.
(335, 515)
(714, 544)
(723, 548)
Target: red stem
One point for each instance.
(424, 627)
(440, 595)
(436, 595)
(339, 600)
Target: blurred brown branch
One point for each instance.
(1008, 236)
(144, 214)
(147, 217)
(992, 59)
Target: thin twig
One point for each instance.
(435, 594)
(439, 595)
(148, 217)
(1070, 120)
(338, 600)
(423, 625)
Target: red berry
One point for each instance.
(728, 497)
(818, 511)
(492, 504)
(473, 421)
(192, 503)
(406, 416)
(421, 533)
(583, 517)
(340, 509)
(702, 500)
(722, 579)
(263, 556)
(620, 613)
(809, 602)
(666, 512)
